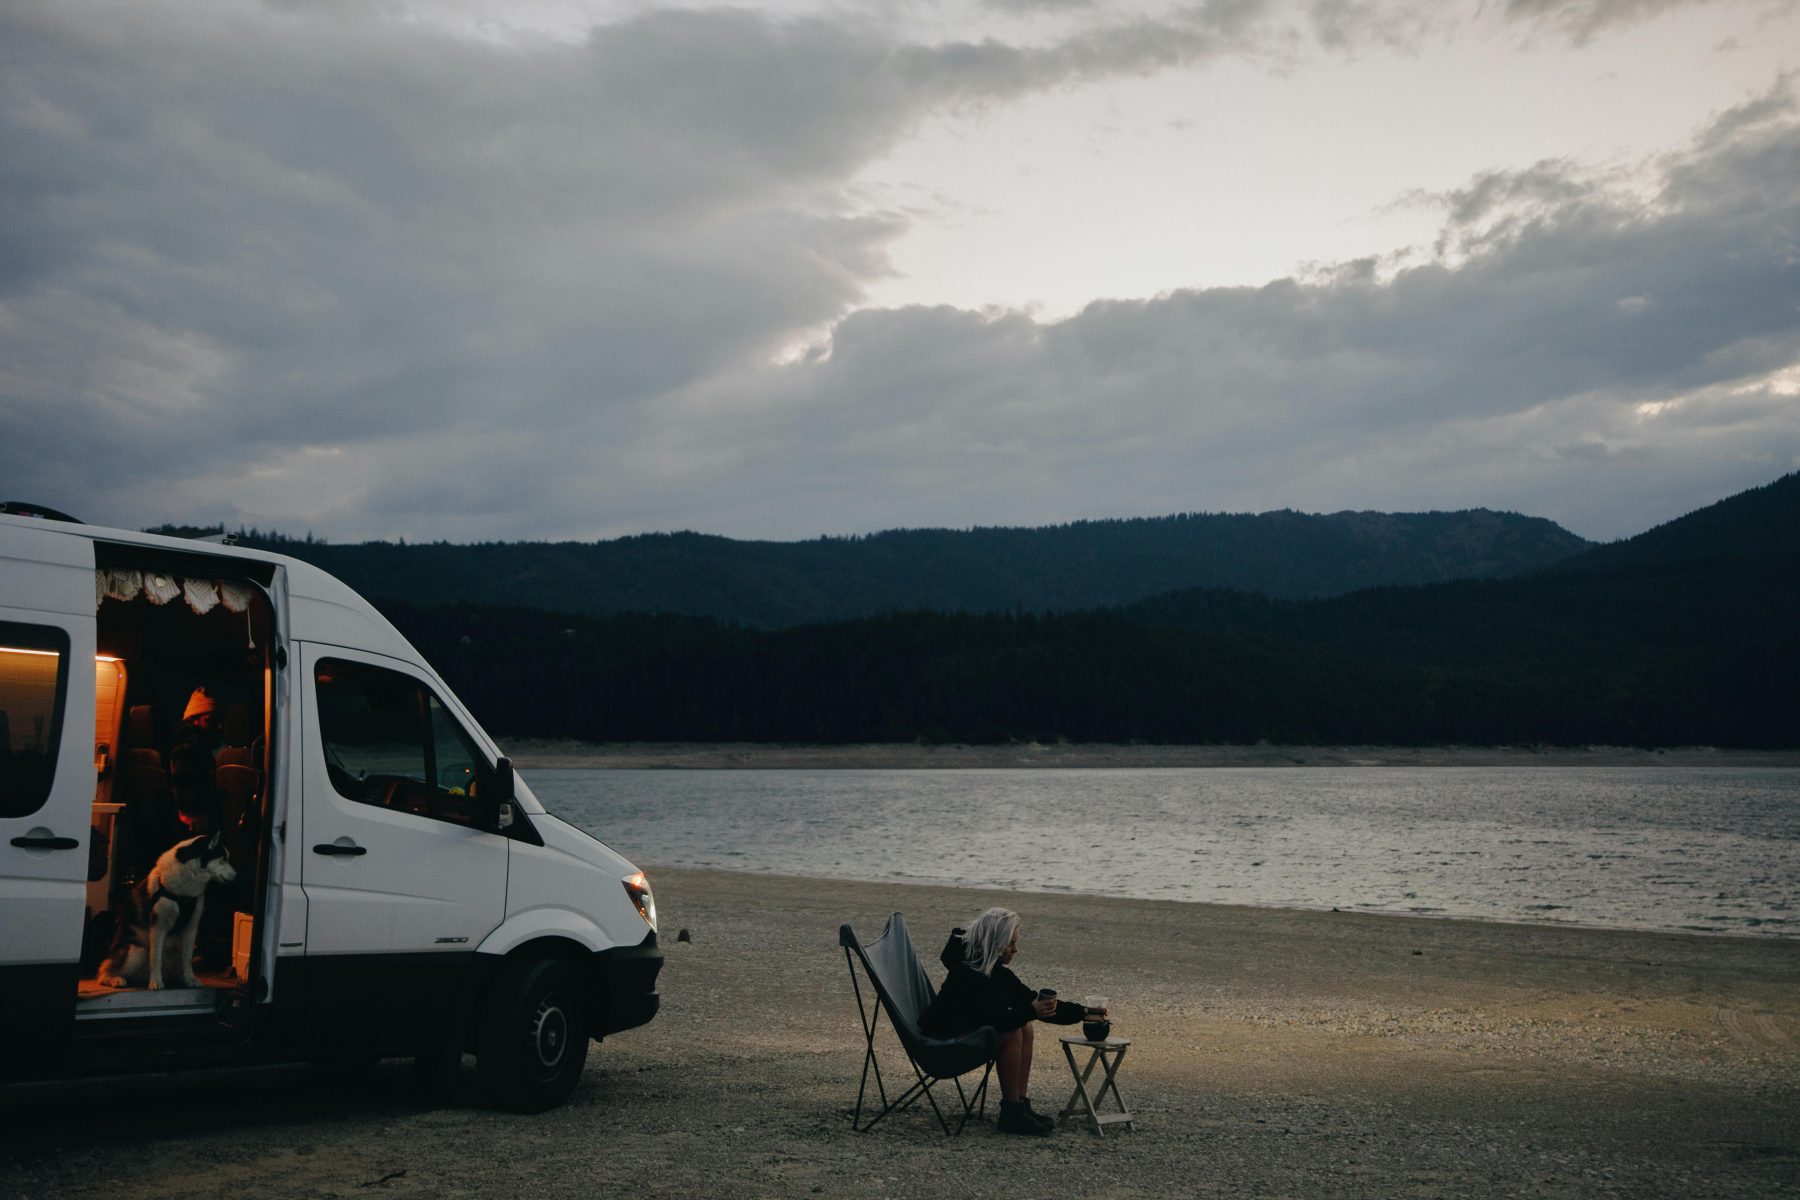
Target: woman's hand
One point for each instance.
(1044, 1008)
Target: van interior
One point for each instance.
(184, 688)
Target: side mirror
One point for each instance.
(503, 793)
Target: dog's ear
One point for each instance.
(214, 844)
(188, 851)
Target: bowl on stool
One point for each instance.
(1096, 1031)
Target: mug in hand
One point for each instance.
(1046, 993)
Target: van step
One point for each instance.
(142, 1002)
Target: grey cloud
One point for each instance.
(312, 267)
(1514, 377)
(233, 230)
(1773, 106)
(1029, 6)
(1583, 18)
(993, 70)
(1758, 161)
(1351, 25)
(1544, 187)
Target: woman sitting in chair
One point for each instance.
(982, 990)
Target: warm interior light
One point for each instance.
(107, 658)
(20, 650)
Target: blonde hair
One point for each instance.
(988, 937)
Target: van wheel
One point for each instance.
(533, 1040)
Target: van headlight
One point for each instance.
(638, 888)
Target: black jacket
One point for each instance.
(968, 1000)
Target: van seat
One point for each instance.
(143, 730)
(234, 729)
(236, 756)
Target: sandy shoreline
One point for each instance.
(530, 753)
(1276, 1052)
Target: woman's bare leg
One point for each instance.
(1014, 1063)
(1008, 1064)
(1025, 1045)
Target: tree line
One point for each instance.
(1684, 635)
(1092, 677)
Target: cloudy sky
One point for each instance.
(479, 269)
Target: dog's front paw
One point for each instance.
(113, 981)
(156, 983)
(190, 980)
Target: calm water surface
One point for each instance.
(1716, 851)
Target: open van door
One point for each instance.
(46, 787)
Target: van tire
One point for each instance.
(533, 1039)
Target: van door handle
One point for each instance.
(45, 843)
(334, 848)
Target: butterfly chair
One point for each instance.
(900, 987)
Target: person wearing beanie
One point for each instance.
(191, 764)
(201, 706)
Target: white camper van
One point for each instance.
(397, 891)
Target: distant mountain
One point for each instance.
(1659, 583)
(1064, 568)
(1688, 627)
(1761, 523)
(1651, 642)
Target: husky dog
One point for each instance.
(162, 915)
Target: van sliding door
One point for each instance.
(46, 788)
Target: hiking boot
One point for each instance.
(1049, 1123)
(1016, 1118)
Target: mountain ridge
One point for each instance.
(1061, 568)
(1648, 646)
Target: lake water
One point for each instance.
(1693, 849)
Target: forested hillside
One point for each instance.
(1761, 523)
(1065, 568)
(1717, 581)
(1641, 644)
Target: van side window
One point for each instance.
(34, 678)
(390, 742)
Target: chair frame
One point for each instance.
(973, 1104)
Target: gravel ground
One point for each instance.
(1275, 1054)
